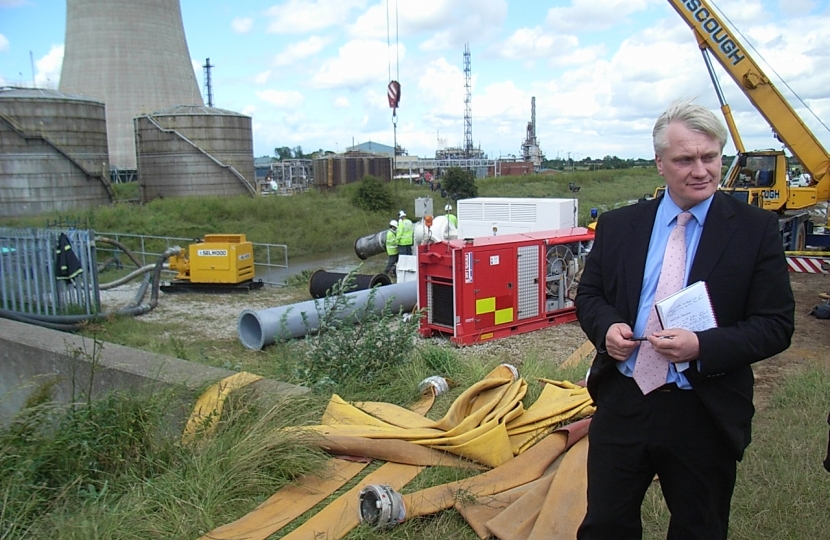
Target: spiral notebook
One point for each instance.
(689, 308)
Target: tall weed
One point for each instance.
(355, 343)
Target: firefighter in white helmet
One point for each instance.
(450, 216)
(406, 234)
(391, 248)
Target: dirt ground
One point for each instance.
(215, 317)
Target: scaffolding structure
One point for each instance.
(287, 177)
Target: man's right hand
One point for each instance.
(618, 341)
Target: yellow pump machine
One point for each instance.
(221, 263)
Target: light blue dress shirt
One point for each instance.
(664, 223)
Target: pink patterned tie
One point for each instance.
(651, 367)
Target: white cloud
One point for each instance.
(49, 67)
(441, 88)
(592, 15)
(446, 23)
(527, 44)
(281, 99)
(796, 7)
(341, 102)
(300, 50)
(358, 63)
(242, 25)
(262, 77)
(11, 3)
(4, 43)
(302, 16)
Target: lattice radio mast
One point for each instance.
(468, 115)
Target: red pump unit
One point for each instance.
(490, 287)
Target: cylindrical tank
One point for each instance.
(195, 150)
(53, 152)
(321, 282)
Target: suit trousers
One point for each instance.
(667, 432)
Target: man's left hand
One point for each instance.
(676, 344)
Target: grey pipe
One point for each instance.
(260, 328)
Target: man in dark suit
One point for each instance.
(692, 430)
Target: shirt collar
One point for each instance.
(669, 210)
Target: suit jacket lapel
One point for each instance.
(714, 239)
(637, 241)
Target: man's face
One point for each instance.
(691, 165)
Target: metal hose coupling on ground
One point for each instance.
(437, 382)
(381, 506)
(512, 369)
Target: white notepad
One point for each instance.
(689, 308)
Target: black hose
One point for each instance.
(120, 246)
(71, 323)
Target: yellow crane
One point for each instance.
(761, 177)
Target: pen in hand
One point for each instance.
(646, 339)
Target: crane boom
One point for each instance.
(713, 34)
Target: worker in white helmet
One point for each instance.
(406, 234)
(391, 248)
(450, 216)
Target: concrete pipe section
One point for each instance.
(321, 282)
(260, 328)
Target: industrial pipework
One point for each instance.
(375, 243)
(260, 328)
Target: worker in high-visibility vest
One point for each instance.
(406, 234)
(391, 248)
(450, 216)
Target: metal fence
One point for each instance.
(31, 281)
(29, 273)
(149, 248)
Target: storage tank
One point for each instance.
(195, 150)
(53, 152)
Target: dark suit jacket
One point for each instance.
(740, 257)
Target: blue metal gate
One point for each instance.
(30, 281)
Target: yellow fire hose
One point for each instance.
(208, 408)
(294, 500)
(487, 423)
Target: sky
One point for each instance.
(314, 73)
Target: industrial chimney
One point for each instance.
(132, 55)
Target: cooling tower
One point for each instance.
(132, 55)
